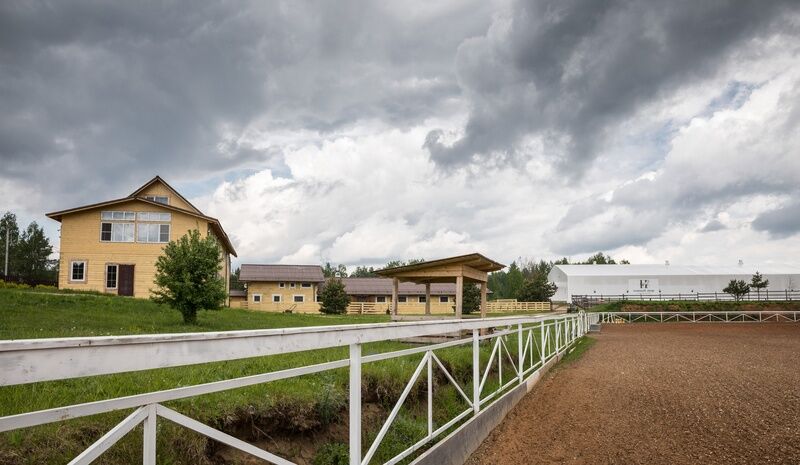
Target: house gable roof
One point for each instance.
(138, 192)
(278, 273)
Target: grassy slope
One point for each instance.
(288, 406)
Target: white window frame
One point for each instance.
(116, 276)
(305, 285)
(378, 299)
(401, 299)
(117, 215)
(116, 225)
(301, 301)
(292, 284)
(153, 198)
(281, 284)
(72, 264)
(280, 298)
(155, 217)
(446, 299)
(151, 225)
(257, 298)
(421, 299)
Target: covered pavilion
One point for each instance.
(471, 268)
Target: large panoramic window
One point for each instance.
(158, 198)
(118, 216)
(116, 232)
(77, 270)
(111, 276)
(152, 233)
(153, 216)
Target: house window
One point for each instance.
(116, 232)
(158, 199)
(281, 284)
(276, 298)
(299, 298)
(444, 299)
(256, 298)
(422, 299)
(154, 216)
(381, 299)
(117, 216)
(402, 299)
(111, 276)
(291, 284)
(154, 233)
(306, 284)
(77, 270)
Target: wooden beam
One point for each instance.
(427, 298)
(484, 303)
(459, 296)
(472, 273)
(395, 292)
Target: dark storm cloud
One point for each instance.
(780, 222)
(570, 70)
(125, 90)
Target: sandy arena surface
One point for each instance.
(663, 394)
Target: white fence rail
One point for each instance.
(30, 361)
(700, 317)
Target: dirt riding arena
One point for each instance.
(663, 394)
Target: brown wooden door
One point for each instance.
(125, 280)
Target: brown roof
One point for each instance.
(474, 260)
(299, 273)
(237, 293)
(383, 286)
(214, 222)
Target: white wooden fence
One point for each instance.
(31, 361)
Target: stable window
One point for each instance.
(117, 216)
(111, 276)
(306, 284)
(444, 299)
(158, 199)
(276, 298)
(281, 284)
(422, 299)
(153, 233)
(256, 298)
(381, 299)
(291, 285)
(299, 298)
(77, 270)
(116, 232)
(402, 299)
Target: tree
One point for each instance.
(363, 272)
(330, 271)
(333, 297)
(32, 260)
(8, 223)
(537, 289)
(187, 276)
(396, 263)
(235, 283)
(737, 288)
(600, 259)
(514, 280)
(470, 299)
(758, 282)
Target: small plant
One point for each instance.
(758, 282)
(333, 298)
(737, 288)
(334, 453)
(187, 276)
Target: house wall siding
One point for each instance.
(287, 293)
(174, 200)
(80, 240)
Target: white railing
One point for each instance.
(700, 317)
(30, 361)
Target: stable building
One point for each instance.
(652, 280)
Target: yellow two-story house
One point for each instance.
(113, 246)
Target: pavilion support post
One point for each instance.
(395, 292)
(484, 303)
(459, 295)
(427, 298)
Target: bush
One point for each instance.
(333, 298)
(471, 299)
(737, 288)
(335, 453)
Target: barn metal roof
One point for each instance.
(675, 270)
(272, 273)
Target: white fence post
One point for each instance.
(519, 352)
(149, 442)
(476, 371)
(355, 404)
(542, 348)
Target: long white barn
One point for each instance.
(667, 279)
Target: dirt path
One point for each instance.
(663, 394)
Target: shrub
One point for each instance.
(334, 453)
(737, 288)
(471, 299)
(333, 298)
(537, 289)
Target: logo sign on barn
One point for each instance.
(643, 286)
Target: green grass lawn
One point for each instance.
(297, 407)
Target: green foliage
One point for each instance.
(537, 289)
(737, 288)
(334, 453)
(600, 259)
(235, 283)
(396, 263)
(330, 271)
(187, 276)
(471, 299)
(333, 298)
(364, 272)
(758, 282)
(32, 255)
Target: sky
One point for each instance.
(359, 132)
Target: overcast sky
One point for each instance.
(359, 132)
